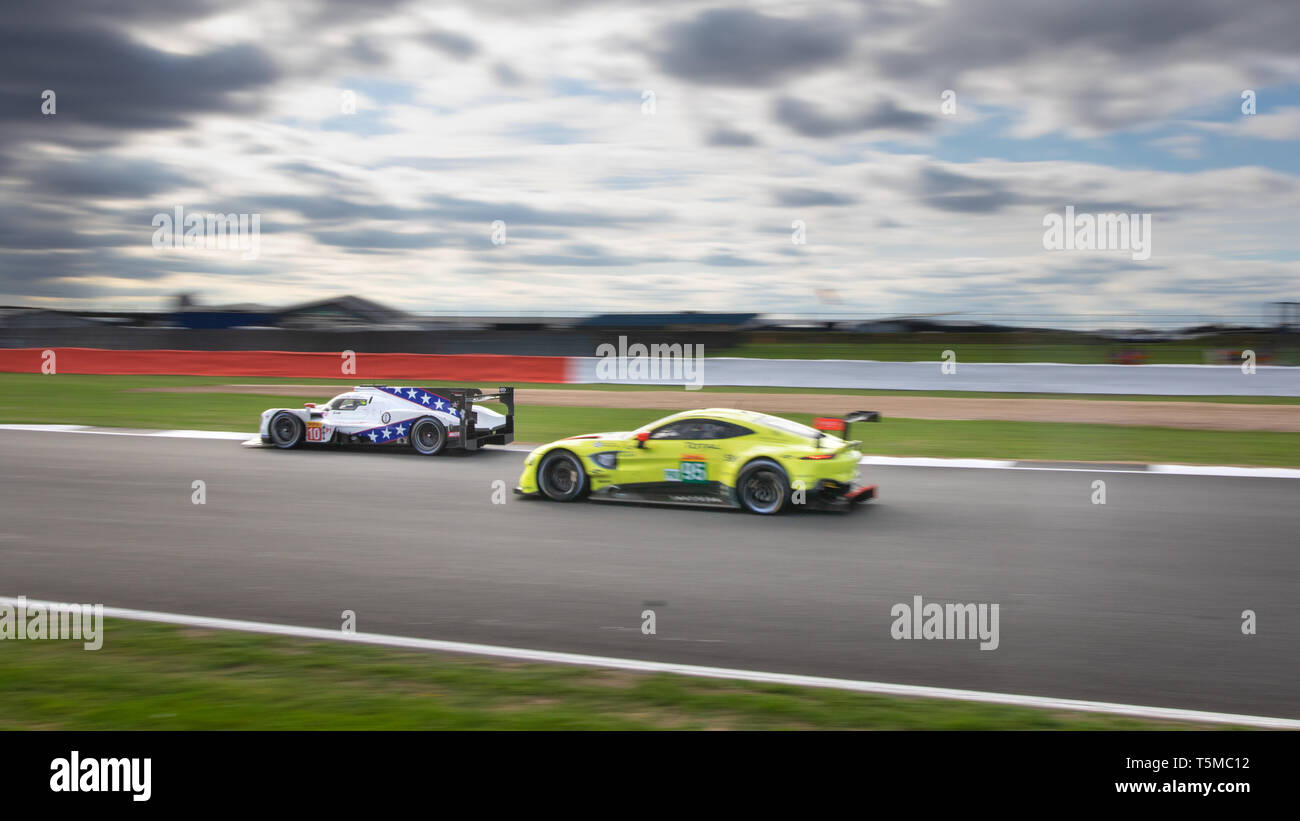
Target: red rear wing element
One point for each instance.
(828, 423)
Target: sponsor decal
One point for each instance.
(694, 469)
(691, 469)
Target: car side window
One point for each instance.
(347, 403)
(698, 429)
(673, 430)
(729, 430)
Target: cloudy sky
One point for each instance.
(654, 156)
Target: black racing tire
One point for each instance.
(286, 430)
(763, 488)
(428, 436)
(561, 477)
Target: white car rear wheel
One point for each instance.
(428, 436)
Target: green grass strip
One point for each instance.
(159, 677)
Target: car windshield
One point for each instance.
(346, 402)
(786, 426)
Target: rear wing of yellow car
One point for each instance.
(841, 425)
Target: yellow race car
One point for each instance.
(716, 457)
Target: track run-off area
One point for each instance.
(1135, 601)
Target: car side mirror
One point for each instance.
(309, 404)
(641, 438)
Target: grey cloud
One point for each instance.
(724, 136)
(728, 261)
(44, 274)
(439, 207)
(28, 12)
(1115, 37)
(950, 191)
(364, 51)
(585, 255)
(104, 177)
(375, 239)
(506, 75)
(1118, 27)
(102, 78)
(745, 48)
(46, 228)
(885, 115)
(809, 197)
(451, 43)
(572, 261)
(457, 209)
(333, 208)
(305, 168)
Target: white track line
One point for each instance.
(202, 434)
(168, 434)
(50, 428)
(637, 665)
(1006, 464)
(1207, 470)
(925, 462)
(252, 440)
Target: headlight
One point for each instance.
(607, 459)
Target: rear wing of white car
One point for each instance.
(464, 400)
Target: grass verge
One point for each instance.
(159, 677)
(1175, 352)
(19, 389)
(113, 401)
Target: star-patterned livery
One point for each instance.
(424, 398)
(386, 434)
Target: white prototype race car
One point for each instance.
(429, 420)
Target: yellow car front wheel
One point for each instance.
(561, 477)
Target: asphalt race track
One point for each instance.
(1138, 601)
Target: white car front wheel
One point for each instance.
(286, 430)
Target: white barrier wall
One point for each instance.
(1168, 380)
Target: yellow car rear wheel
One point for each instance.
(763, 487)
